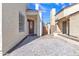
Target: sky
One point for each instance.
(46, 7)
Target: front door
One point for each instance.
(31, 27)
(64, 27)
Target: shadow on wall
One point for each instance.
(25, 41)
(59, 25)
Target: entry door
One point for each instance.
(68, 26)
(64, 27)
(31, 27)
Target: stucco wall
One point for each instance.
(71, 10)
(59, 26)
(10, 25)
(68, 11)
(52, 20)
(74, 25)
(35, 26)
(60, 15)
(52, 24)
(45, 30)
(37, 21)
(38, 25)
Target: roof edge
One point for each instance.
(65, 8)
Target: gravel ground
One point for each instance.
(46, 46)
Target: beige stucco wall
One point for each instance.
(68, 11)
(45, 29)
(37, 20)
(74, 25)
(38, 25)
(71, 10)
(10, 25)
(35, 26)
(60, 15)
(52, 24)
(59, 26)
(52, 20)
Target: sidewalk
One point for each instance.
(71, 40)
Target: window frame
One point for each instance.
(21, 22)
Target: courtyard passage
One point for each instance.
(47, 45)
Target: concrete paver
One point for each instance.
(46, 46)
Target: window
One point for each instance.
(21, 22)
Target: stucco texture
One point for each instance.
(10, 25)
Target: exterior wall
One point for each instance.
(40, 18)
(71, 16)
(71, 29)
(10, 25)
(35, 26)
(52, 20)
(59, 26)
(39, 25)
(71, 10)
(67, 11)
(37, 20)
(45, 30)
(48, 26)
(60, 15)
(74, 25)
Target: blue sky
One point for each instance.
(46, 7)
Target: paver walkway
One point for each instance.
(46, 46)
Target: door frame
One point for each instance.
(66, 27)
(29, 26)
